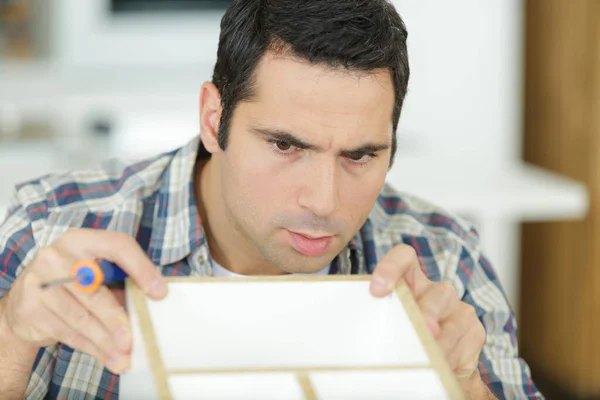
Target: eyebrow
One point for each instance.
(292, 139)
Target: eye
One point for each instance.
(361, 158)
(282, 146)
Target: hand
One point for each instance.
(94, 323)
(453, 323)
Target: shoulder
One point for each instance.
(448, 244)
(111, 195)
(98, 189)
(403, 213)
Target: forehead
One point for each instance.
(314, 97)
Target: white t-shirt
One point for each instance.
(220, 271)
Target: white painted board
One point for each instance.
(413, 384)
(249, 386)
(246, 339)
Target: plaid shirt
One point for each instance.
(153, 200)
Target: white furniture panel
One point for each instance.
(286, 337)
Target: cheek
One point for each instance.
(259, 183)
(359, 194)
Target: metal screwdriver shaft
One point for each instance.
(59, 282)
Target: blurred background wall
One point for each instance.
(83, 81)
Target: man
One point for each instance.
(287, 176)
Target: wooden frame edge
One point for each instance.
(282, 278)
(157, 367)
(296, 370)
(438, 362)
(306, 385)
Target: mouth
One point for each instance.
(310, 245)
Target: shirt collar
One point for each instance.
(177, 228)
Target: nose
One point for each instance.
(320, 190)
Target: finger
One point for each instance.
(54, 263)
(456, 325)
(56, 328)
(464, 357)
(77, 317)
(119, 295)
(103, 305)
(437, 301)
(451, 331)
(399, 263)
(120, 249)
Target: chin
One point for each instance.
(306, 265)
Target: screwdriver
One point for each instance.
(89, 275)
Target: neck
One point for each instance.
(227, 245)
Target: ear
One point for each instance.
(210, 116)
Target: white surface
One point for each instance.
(404, 384)
(138, 382)
(476, 188)
(255, 386)
(287, 324)
(347, 385)
(241, 326)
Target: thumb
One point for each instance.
(399, 263)
(120, 249)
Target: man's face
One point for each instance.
(306, 160)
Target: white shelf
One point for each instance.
(498, 198)
(516, 191)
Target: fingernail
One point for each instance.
(158, 288)
(117, 363)
(433, 326)
(380, 285)
(122, 338)
(127, 367)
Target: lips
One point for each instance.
(310, 246)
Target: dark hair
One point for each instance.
(359, 35)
